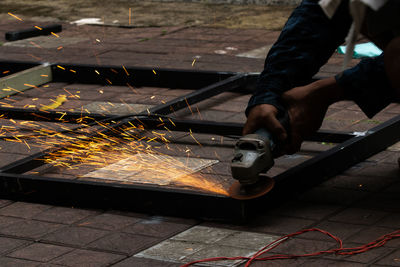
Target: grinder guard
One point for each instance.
(252, 155)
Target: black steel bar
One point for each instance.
(141, 198)
(32, 32)
(343, 156)
(150, 122)
(138, 76)
(9, 67)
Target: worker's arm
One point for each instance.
(306, 42)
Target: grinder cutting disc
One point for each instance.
(244, 192)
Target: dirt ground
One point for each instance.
(149, 13)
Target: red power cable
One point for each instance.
(338, 251)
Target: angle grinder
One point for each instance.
(254, 154)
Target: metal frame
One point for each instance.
(350, 150)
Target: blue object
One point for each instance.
(362, 50)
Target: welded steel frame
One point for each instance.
(350, 149)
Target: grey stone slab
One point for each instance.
(171, 250)
(204, 234)
(150, 169)
(260, 52)
(220, 251)
(116, 108)
(247, 240)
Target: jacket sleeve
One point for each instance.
(307, 41)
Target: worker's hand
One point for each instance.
(307, 106)
(264, 116)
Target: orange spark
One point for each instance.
(37, 27)
(12, 15)
(127, 73)
(187, 103)
(55, 34)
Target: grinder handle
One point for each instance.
(276, 145)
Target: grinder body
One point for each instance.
(255, 153)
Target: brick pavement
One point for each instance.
(359, 205)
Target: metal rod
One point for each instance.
(32, 32)
(150, 122)
(343, 156)
(25, 79)
(137, 76)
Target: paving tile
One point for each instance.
(8, 244)
(77, 236)
(278, 225)
(302, 246)
(11, 262)
(108, 221)
(135, 261)
(124, 243)
(277, 263)
(156, 228)
(30, 229)
(372, 233)
(203, 234)
(7, 158)
(324, 262)
(376, 170)
(87, 258)
(341, 230)
(171, 250)
(392, 259)
(333, 196)
(6, 221)
(63, 215)
(391, 220)
(364, 183)
(358, 216)
(23, 209)
(306, 210)
(365, 258)
(40, 252)
(385, 201)
(247, 240)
